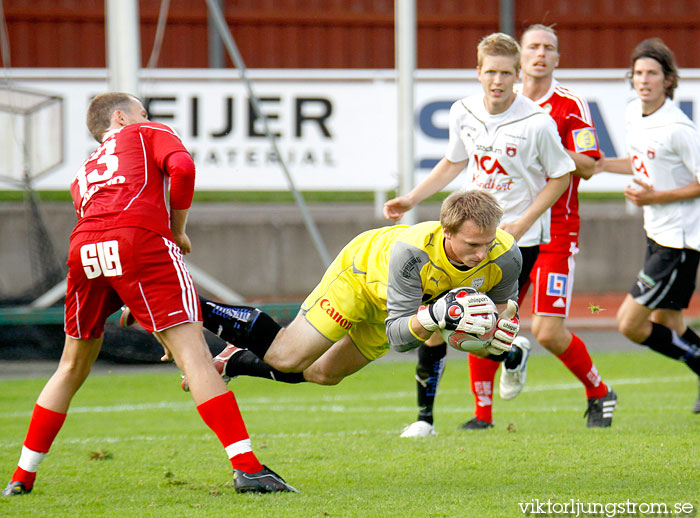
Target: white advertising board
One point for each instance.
(336, 129)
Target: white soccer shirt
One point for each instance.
(510, 154)
(665, 151)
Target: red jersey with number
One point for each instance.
(124, 182)
(577, 132)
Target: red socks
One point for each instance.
(579, 362)
(43, 428)
(576, 358)
(482, 372)
(222, 415)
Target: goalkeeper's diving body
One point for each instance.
(389, 287)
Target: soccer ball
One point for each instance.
(463, 341)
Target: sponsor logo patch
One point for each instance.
(585, 140)
(556, 285)
(335, 314)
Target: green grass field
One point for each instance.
(134, 446)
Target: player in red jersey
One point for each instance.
(552, 277)
(127, 249)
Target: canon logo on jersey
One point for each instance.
(335, 315)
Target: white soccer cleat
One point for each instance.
(418, 429)
(513, 381)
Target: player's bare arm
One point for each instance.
(644, 193)
(544, 200)
(585, 165)
(178, 222)
(441, 175)
(618, 165)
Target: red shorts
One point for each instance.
(552, 277)
(130, 266)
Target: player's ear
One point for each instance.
(120, 117)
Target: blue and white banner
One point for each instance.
(336, 129)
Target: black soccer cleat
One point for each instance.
(696, 408)
(264, 481)
(15, 488)
(600, 410)
(476, 424)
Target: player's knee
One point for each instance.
(287, 363)
(547, 341)
(631, 330)
(322, 378)
(74, 372)
(552, 340)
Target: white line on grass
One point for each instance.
(207, 436)
(296, 403)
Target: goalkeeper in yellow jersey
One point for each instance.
(388, 287)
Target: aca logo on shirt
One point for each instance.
(489, 165)
(639, 166)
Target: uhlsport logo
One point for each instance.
(335, 314)
(454, 312)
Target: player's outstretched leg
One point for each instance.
(245, 326)
(216, 405)
(234, 361)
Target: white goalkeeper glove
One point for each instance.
(456, 310)
(507, 328)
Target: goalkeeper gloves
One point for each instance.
(456, 310)
(507, 328)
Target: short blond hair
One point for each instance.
(499, 44)
(99, 114)
(479, 207)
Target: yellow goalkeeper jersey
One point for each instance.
(384, 275)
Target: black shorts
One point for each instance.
(667, 280)
(529, 254)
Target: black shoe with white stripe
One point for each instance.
(264, 481)
(600, 410)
